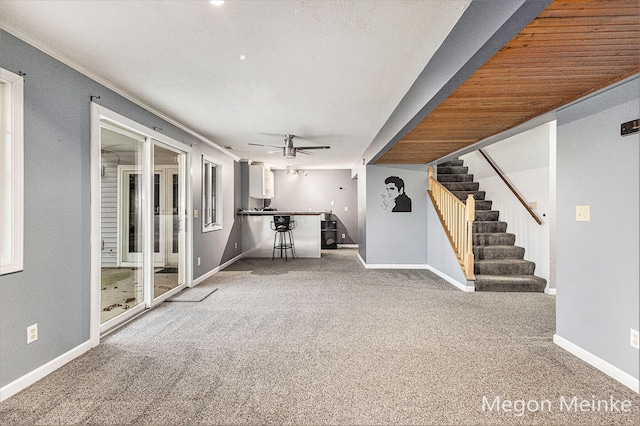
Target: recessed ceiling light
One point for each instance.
(217, 2)
(243, 57)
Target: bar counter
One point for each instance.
(257, 234)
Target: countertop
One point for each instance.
(282, 212)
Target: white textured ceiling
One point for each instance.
(331, 72)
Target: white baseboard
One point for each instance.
(214, 271)
(469, 288)
(42, 371)
(550, 291)
(349, 246)
(602, 365)
(455, 283)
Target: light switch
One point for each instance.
(346, 209)
(583, 213)
(333, 203)
(533, 205)
(195, 214)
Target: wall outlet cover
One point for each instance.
(32, 333)
(634, 338)
(583, 213)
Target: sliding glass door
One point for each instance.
(142, 222)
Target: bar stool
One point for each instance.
(283, 238)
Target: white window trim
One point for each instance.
(12, 183)
(217, 225)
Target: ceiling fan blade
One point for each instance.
(273, 152)
(259, 144)
(302, 152)
(312, 147)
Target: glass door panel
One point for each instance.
(121, 276)
(131, 190)
(169, 215)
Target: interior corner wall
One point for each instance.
(396, 238)
(597, 261)
(524, 160)
(316, 191)
(362, 213)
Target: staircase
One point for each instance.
(499, 265)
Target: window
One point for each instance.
(211, 195)
(11, 178)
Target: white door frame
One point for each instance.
(100, 114)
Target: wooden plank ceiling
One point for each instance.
(573, 48)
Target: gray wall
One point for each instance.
(54, 287)
(216, 247)
(597, 261)
(396, 237)
(316, 191)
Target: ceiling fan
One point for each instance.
(290, 151)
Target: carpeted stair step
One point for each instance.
(504, 267)
(487, 215)
(462, 195)
(455, 162)
(512, 283)
(452, 170)
(461, 186)
(482, 227)
(483, 204)
(498, 252)
(454, 177)
(494, 239)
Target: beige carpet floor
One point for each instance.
(324, 341)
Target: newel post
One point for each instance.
(471, 215)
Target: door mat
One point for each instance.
(167, 271)
(194, 294)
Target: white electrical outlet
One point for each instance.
(236, 245)
(198, 261)
(32, 333)
(343, 236)
(333, 203)
(346, 209)
(634, 338)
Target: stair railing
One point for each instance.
(513, 190)
(457, 220)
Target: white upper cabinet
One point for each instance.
(260, 182)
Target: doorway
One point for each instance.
(143, 219)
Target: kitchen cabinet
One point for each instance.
(260, 182)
